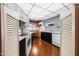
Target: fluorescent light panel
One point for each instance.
(44, 5)
(45, 13)
(55, 7)
(25, 6)
(36, 10)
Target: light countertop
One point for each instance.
(21, 37)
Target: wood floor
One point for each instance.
(42, 48)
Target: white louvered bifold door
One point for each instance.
(67, 40)
(11, 43)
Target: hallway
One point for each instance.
(49, 32)
(42, 48)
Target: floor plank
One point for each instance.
(42, 48)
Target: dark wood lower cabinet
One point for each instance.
(22, 47)
(46, 37)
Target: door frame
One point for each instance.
(76, 29)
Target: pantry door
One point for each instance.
(10, 41)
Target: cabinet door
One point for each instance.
(56, 39)
(10, 42)
(46, 37)
(22, 47)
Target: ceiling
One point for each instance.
(43, 11)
